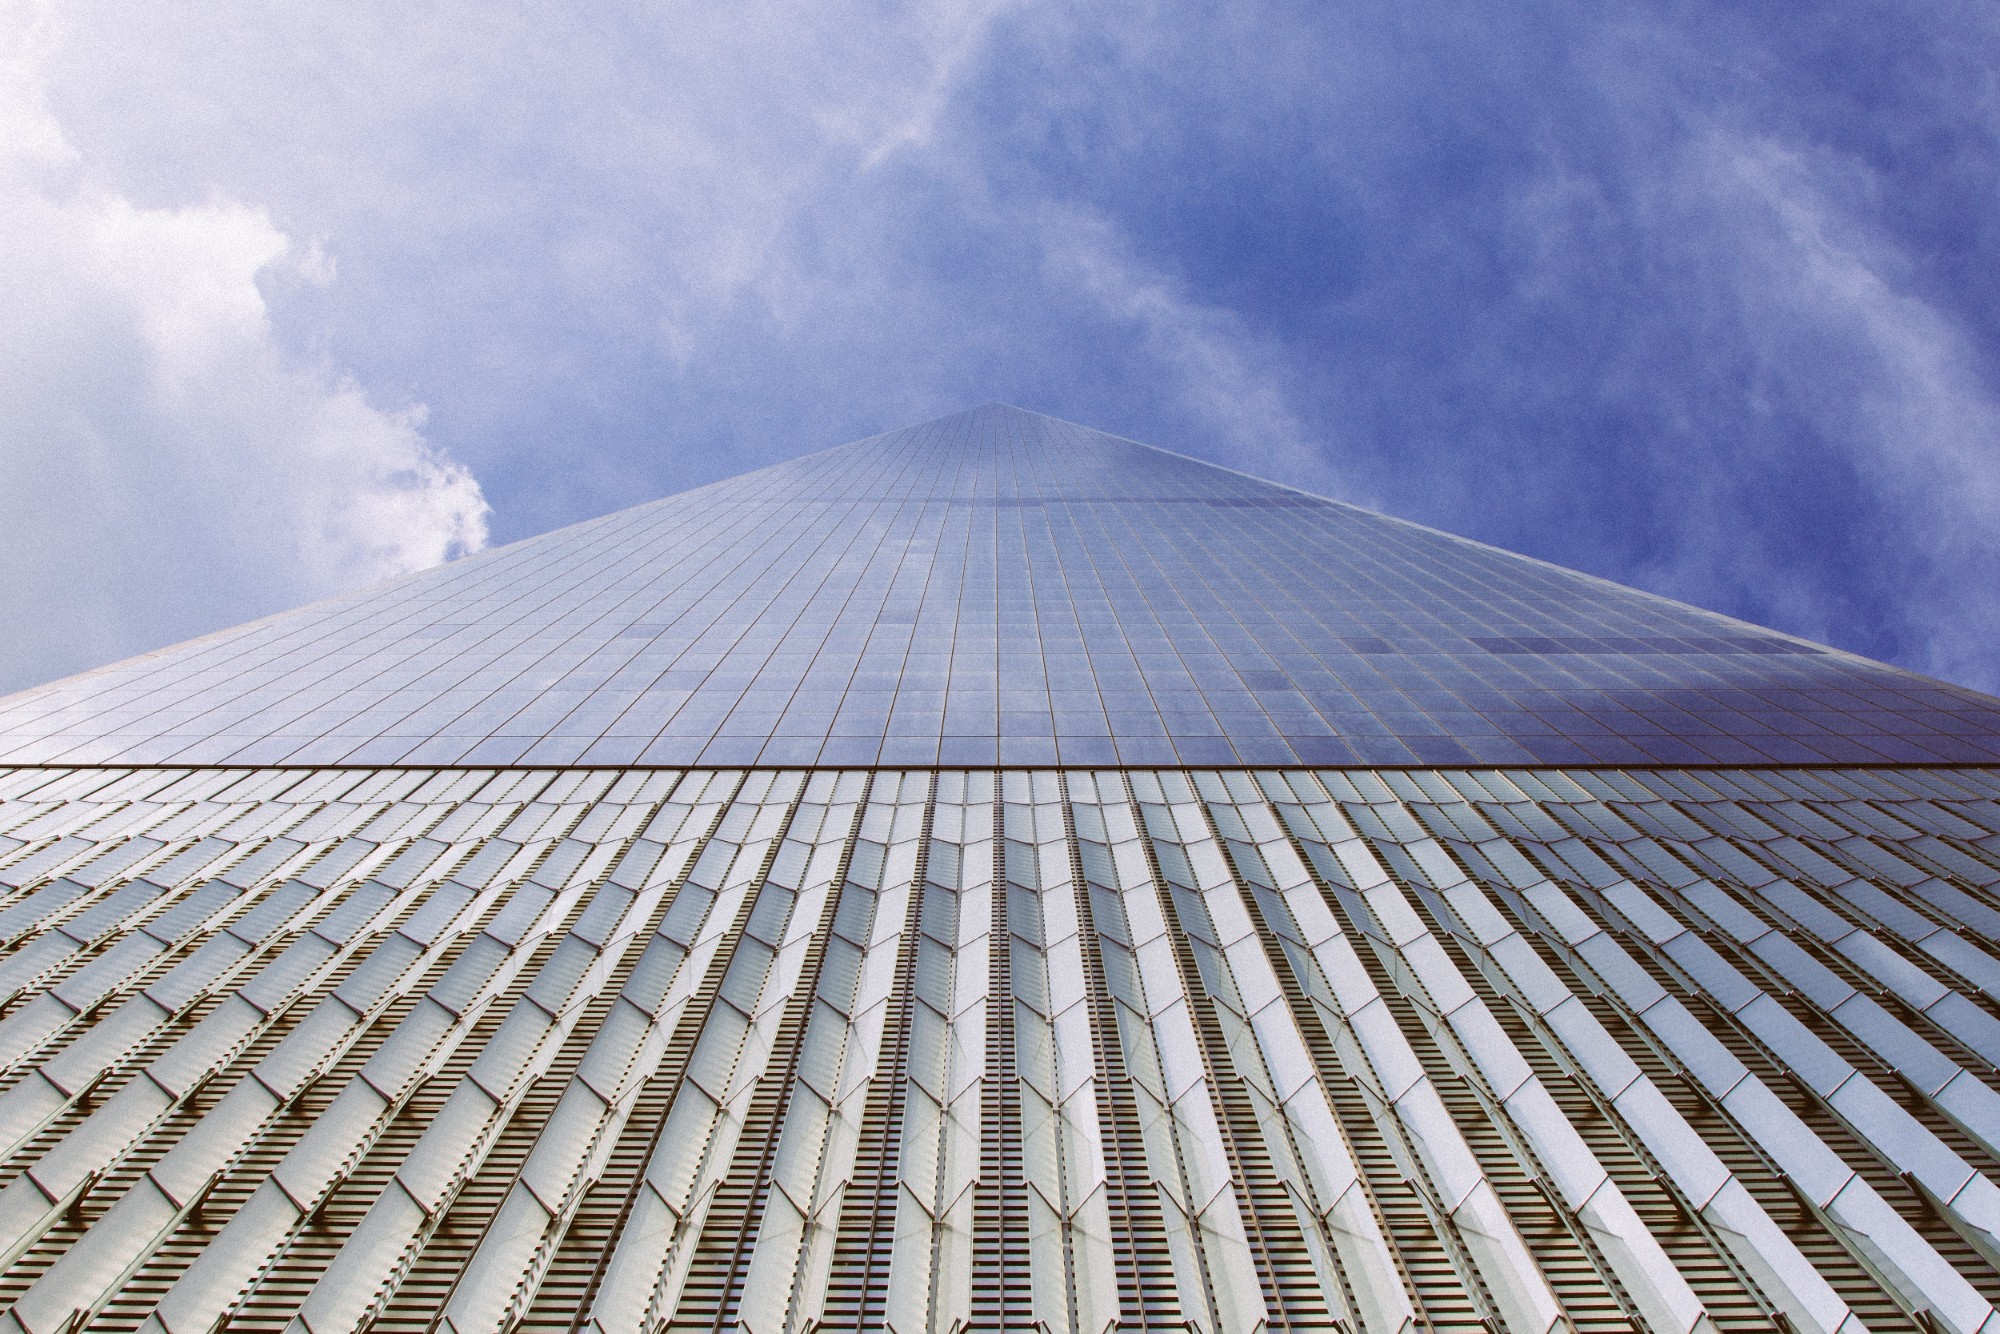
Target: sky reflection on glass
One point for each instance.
(997, 587)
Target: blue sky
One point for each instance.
(1697, 296)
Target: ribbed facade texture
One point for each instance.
(997, 877)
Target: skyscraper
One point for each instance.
(995, 876)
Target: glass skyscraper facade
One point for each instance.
(996, 876)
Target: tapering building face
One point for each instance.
(998, 588)
(995, 876)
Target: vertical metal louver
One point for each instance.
(945, 1050)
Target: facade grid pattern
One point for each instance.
(998, 588)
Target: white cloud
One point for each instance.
(164, 468)
(550, 221)
(1221, 373)
(1923, 428)
(1813, 297)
